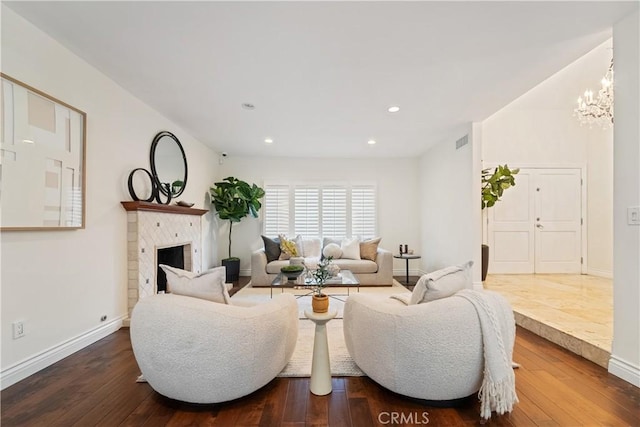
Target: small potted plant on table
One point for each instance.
(319, 277)
(292, 271)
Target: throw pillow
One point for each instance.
(288, 247)
(208, 285)
(332, 250)
(271, 248)
(369, 248)
(442, 283)
(311, 248)
(350, 248)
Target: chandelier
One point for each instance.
(598, 111)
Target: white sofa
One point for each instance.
(199, 351)
(378, 272)
(431, 351)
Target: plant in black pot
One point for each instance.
(292, 271)
(493, 186)
(233, 200)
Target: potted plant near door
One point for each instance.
(493, 186)
(319, 276)
(233, 200)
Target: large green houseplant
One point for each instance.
(233, 200)
(493, 186)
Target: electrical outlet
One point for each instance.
(103, 317)
(18, 329)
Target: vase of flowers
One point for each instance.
(319, 276)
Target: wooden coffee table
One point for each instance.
(345, 279)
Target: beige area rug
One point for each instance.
(338, 294)
(342, 365)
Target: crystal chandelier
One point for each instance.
(597, 111)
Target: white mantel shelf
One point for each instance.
(157, 207)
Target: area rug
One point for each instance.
(342, 365)
(337, 294)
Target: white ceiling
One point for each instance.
(322, 74)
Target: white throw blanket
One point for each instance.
(498, 390)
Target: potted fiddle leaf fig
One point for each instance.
(493, 186)
(233, 200)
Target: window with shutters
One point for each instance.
(363, 211)
(306, 211)
(334, 212)
(320, 210)
(276, 210)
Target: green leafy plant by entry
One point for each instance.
(494, 183)
(234, 199)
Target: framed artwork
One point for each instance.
(42, 160)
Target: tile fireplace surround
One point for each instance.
(152, 226)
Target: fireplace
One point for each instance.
(173, 256)
(152, 228)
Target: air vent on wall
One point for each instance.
(462, 141)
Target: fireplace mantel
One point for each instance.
(157, 207)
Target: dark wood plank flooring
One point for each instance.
(96, 387)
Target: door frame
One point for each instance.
(583, 201)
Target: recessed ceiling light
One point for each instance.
(371, 142)
(248, 106)
(268, 141)
(393, 109)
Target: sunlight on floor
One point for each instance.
(573, 311)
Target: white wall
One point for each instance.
(396, 179)
(625, 354)
(538, 129)
(450, 205)
(60, 282)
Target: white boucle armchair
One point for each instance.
(200, 351)
(431, 351)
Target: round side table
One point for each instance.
(320, 383)
(407, 257)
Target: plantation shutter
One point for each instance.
(276, 210)
(363, 211)
(307, 211)
(334, 212)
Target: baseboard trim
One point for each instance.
(625, 370)
(245, 272)
(402, 272)
(478, 286)
(600, 273)
(33, 364)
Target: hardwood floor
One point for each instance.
(96, 387)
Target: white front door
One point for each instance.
(558, 221)
(536, 227)
(511, 228)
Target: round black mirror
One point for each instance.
(168, 164)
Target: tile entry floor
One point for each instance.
(573, 311)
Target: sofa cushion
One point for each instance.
(350, 248)
(275, 266)
(369, 248)
(312, 248)
(442, 283)
(356, 266)
(209, 285)
(271, 248)
(332, 250)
